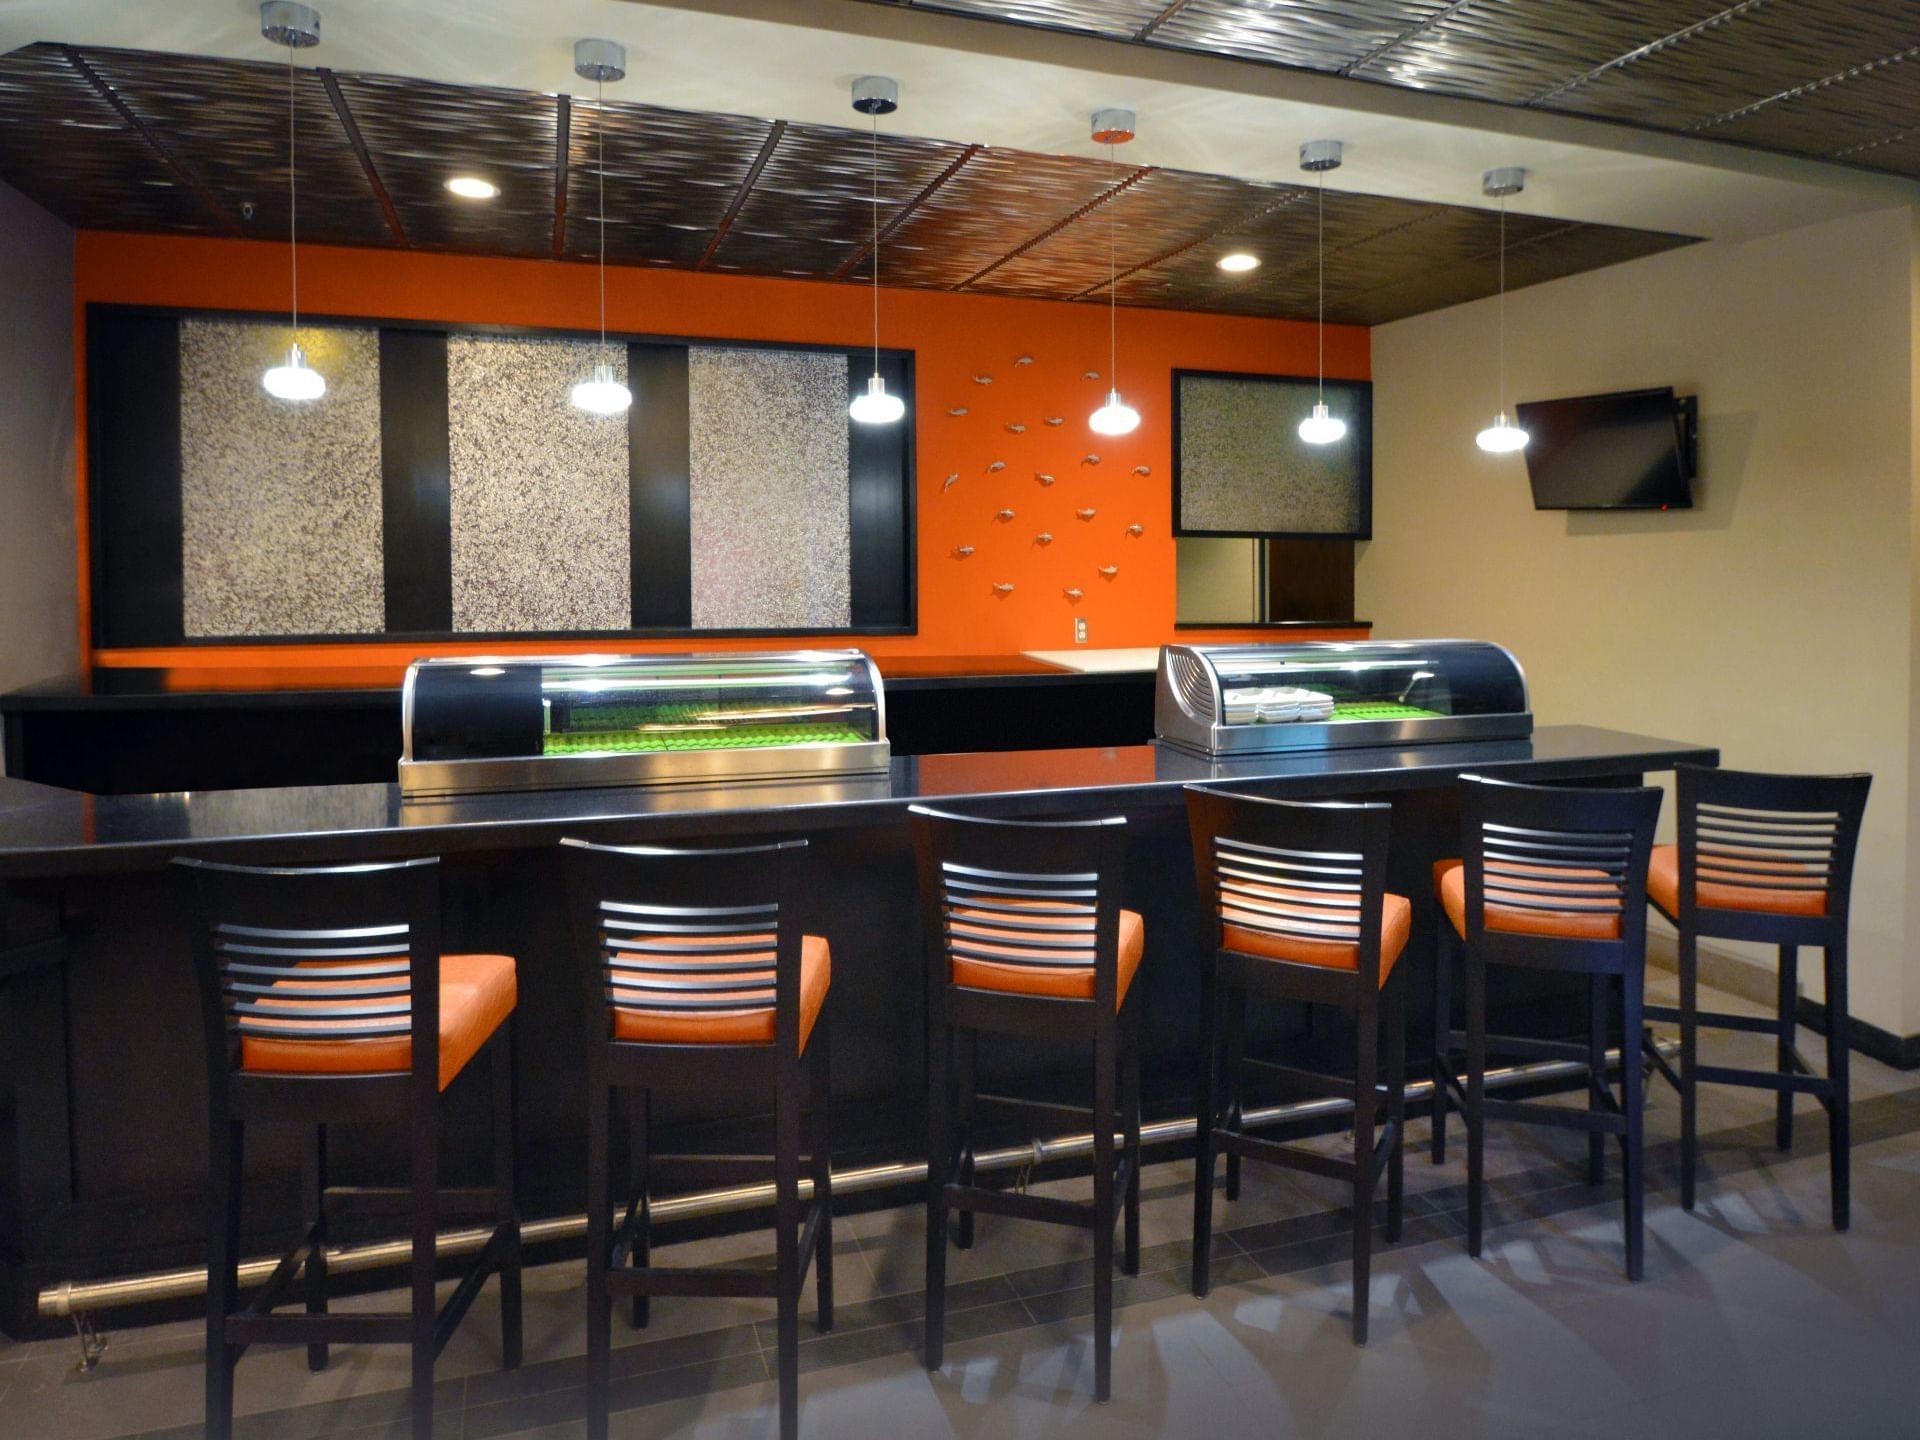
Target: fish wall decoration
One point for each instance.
(1074, 593)
(1107, 572)
(996, 467)
(1089, 459)
(1003, 588)
(961, 552)
(1003, 515)
(1016, 428)
(983, 379)
(1087, 514)
(1091, 375)
(1136, 531)
(951, 481)
(1043, 477)
(957, 410)
(1045, 537)
(1024, 360)
(1056, 419)
(1143, 469)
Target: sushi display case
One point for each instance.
(1255, 699)
(476, 725)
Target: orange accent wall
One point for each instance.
(955, 337)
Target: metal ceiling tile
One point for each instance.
(671, 175)
(226, 121)
(1306, 34)
(1120, 18)
(66, 148)
(812, 210)
(421, 134)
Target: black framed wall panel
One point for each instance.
(415, 501)
(881, 500)
(660, 476)
(133, 476)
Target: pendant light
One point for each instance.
(1317, 157)
(1503, 436)
(297, 27)
(601, 61)
(1116, 417)
(874, 96)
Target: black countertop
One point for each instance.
(45, 832)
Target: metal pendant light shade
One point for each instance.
(298, 28)
(602, 393)
(1502, 437)
(1113, 127)
(874, 96)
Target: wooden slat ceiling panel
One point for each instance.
(202, 139)
(1164, 208)
(1315, 34)
(812, 208)
(999, 202)
(671, 174)
(421, 133)
(230, 119)
(1119, 18)
(68, 150)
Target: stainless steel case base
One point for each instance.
(434, 779)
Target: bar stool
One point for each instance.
(698, 979)
(326, 1000)
(1025, 936)
(1296, 909)
(1765, 858)
(1553, 878)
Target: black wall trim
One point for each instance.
(415, 504)
(133, 470)
(1902, 1052)
(880, 496)
(659, 479)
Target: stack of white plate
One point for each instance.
(1276, 704)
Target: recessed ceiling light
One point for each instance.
(472, 187)
(1238, 262)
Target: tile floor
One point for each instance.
(1755, 1320)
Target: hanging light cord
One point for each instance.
(1113, 279)
(875, 115)
(293, 194)
(1503, 305)
(600, 140)
(1321, 204)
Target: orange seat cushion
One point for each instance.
(477, 994)
(1058, 982)
(1396, 924)
(1663, 887)
(750, 1025)
(1450, 881)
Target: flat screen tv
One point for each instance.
(1631, 450)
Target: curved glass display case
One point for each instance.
(1251, 699)
(477, 724)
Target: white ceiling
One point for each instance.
(969, 81)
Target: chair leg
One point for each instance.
(314, 1197)
(1840, 1076)
(1689, 1066)
(506, 1180)
(227, 1150)
(1633, 1103)
(1442, 1033)
(425, 1144)
(640, 1171)
(1598, 1086)
(1789, 1007)
(1105, 1067)
(939, 1156)
(599, 1255)
(1476, 1111)
(1130, 1131)
(967, 1084)
(1366, 1097)
(820, 1148)
(786, 1211)
(1236, 1048)
(1396, 1010)
(1206, 1109)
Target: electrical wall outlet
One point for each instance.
(1079, 629)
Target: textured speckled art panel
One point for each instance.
(768, 452)
(538, 489)
(279, 503)
(1243, 468)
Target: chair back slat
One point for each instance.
(1549, 850)
(331, 954)
(686, 933)
(1028, 895)
(1290, 871)
(1792, 836)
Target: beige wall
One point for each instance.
(1777, 619)
(38, 615)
